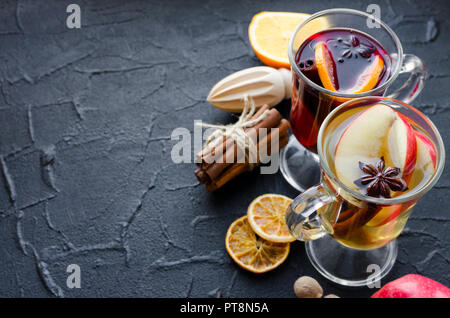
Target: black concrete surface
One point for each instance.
(85, 123)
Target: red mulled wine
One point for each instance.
(340, 60)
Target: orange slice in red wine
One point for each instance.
(326, 67)
(367, 80)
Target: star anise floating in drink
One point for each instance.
(354, 47)
(380, 180)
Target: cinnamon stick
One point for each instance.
(229, 157)
(358, 219)
(309, 68)
(208, 157)
(237, 168)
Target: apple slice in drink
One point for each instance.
(402, 146)
(377, 132)
(426, 153)
(426, 161)
(363, 140)
(385, 215)
(402, 152)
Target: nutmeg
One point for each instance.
(307, 287)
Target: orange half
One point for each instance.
(269, 34)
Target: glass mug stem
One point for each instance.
(416, 80)
(336, 262)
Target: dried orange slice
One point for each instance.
(266, 215)
(269, 34)
(369, 78)
(251, 252)
(326, 67)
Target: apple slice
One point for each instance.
(426, 153)
(386, 215)
(363, 140)
(402, 146)
(426, 161)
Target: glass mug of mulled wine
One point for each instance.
(337, 55)
(378, 157)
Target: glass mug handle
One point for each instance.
(302, 219)
(414, 84)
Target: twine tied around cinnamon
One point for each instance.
(237, 133)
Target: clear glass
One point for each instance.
(299, 162)
(334, 242)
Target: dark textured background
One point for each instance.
(85, 123)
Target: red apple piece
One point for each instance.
(402, 146)
(386, 215)
(363, 140)
(426, 160)
(413, 286)
(426, 153)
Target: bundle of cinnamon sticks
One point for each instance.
(221, 164)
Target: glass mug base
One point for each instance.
(299, 166)
(351, 267)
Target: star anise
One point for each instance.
(380, 180)
(354, 47)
